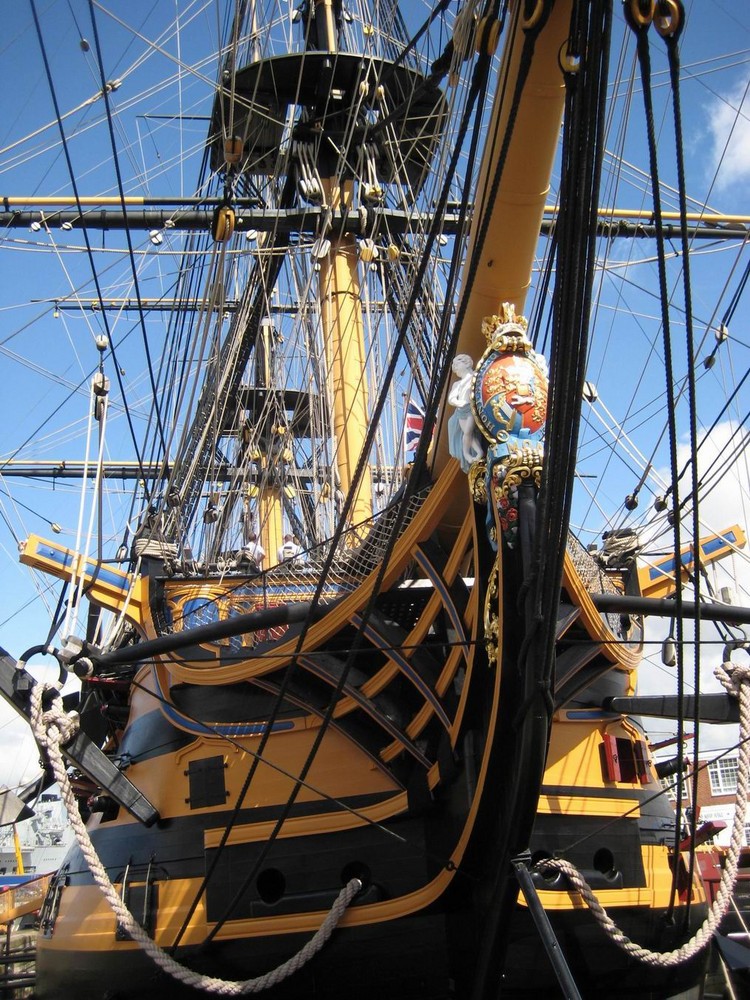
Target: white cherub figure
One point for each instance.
(464, 443)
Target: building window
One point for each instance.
(670, 788)
(723, 776)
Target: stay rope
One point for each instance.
(736, 680)
(52, 728)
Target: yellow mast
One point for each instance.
(343, 334)
(270, 511)
(270, 521)
(20, 870)
(341, 317)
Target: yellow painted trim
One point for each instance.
(587, 806)
(609, 898)
(592, 620)
(301, 826)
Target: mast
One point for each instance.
(305, 140)
(503, 270)
(343, 333)
(341, 308)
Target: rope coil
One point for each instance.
(52, 728)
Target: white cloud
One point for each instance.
(729, 136)
(19, 753)
(725, 505)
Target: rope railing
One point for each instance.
(52, 728)
(736, 680)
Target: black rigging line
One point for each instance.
(359, 471)
(641, 32)
(726, 319)
(179, 329)
(718, 469)
(94, 273)
(41, 593)
(34, 434)
(717, 420)
(18, 503)
(674, 74)
(446, 346)
(131, 255)
(58, 616)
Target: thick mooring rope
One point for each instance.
(53, 728)
(736, 680)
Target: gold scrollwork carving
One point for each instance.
(491, 618)
(522, 466)
(477, 482)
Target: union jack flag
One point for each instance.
(414, 426)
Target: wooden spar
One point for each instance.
(657, 578)
(709, 217)
(504, 272)
(325, 22)
(343, 334)
(507, 257)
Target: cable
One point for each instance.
(95, 276)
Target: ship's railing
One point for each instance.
(17, 900)
(596, 578)
(359, 550)
(590, 570)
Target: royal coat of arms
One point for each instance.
(509, 404)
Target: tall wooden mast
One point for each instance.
(343, 335)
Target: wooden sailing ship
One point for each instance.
(327, 665)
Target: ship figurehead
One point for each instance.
(503, 399)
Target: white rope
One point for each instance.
(79, 566)
(55, 727)
(736, 680)
(464, 28)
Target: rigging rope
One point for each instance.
(671, 30)
(640, 25)
(477, 88)
(94, 272)
(131, 255)
(52, 728)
